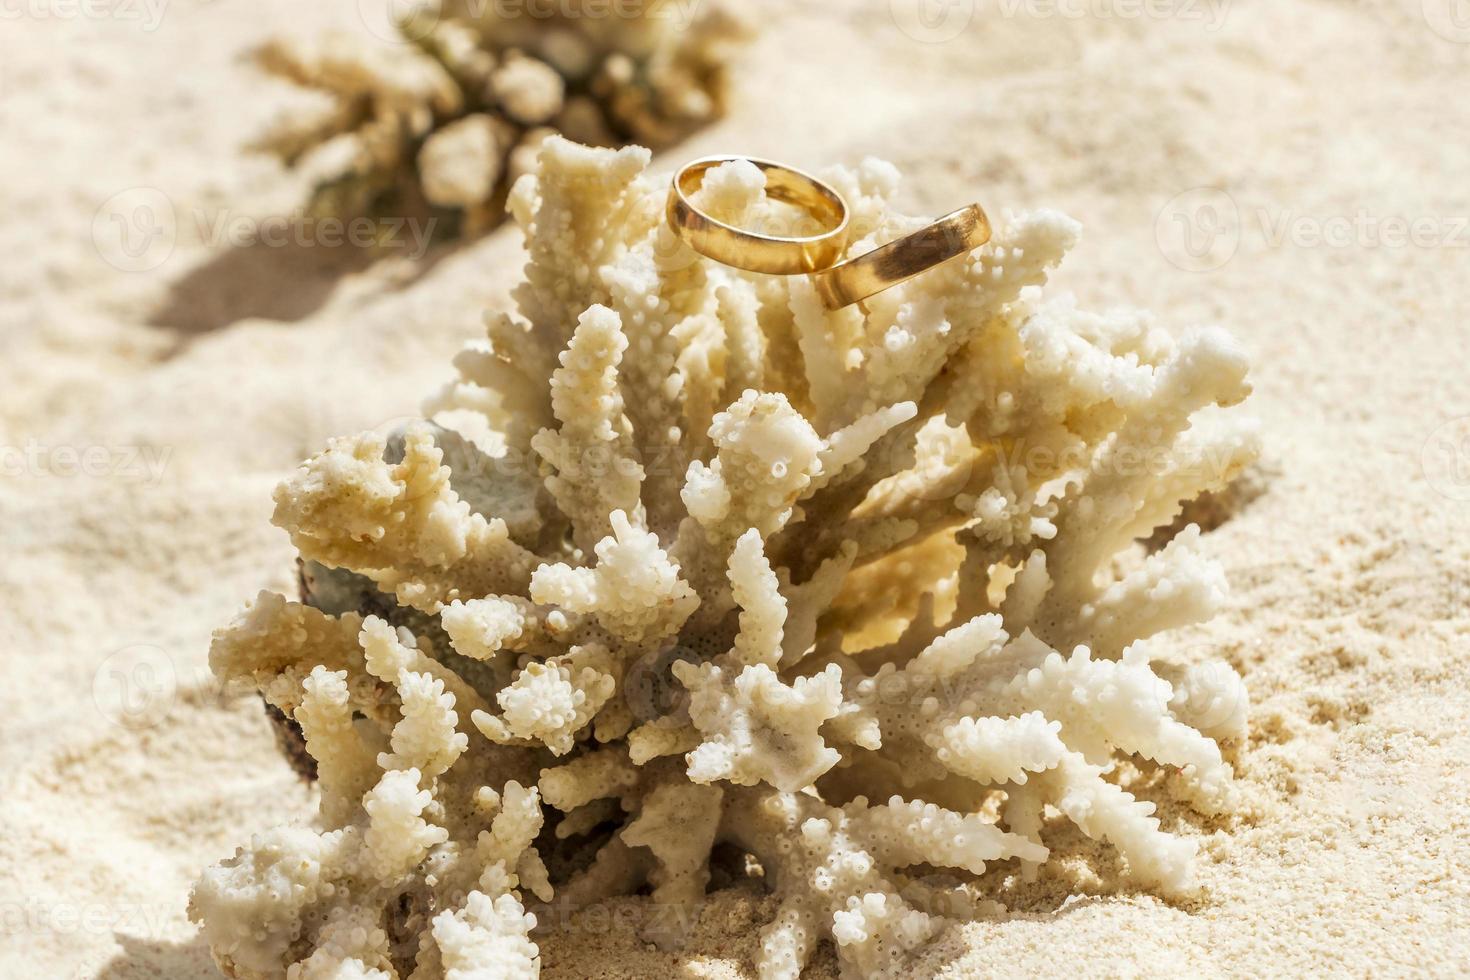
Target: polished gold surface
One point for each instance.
(751, 250)
(951, 236)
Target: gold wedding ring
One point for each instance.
(855, 280)
(749, 250)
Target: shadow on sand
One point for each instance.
(286, 282)
(152, 959)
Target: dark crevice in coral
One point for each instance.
(292, 743)
(1212, 510)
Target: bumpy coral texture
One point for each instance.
(451, 116)
(684, 560)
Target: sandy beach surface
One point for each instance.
(1293, 170)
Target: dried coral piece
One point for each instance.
(775, 564)
(444, 121)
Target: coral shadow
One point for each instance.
(285, 282)
(146, 959)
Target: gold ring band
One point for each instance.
(770, 254)
(855, 280)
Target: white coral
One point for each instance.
(486, 940)
(770, 563)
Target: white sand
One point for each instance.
(1351, 577)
